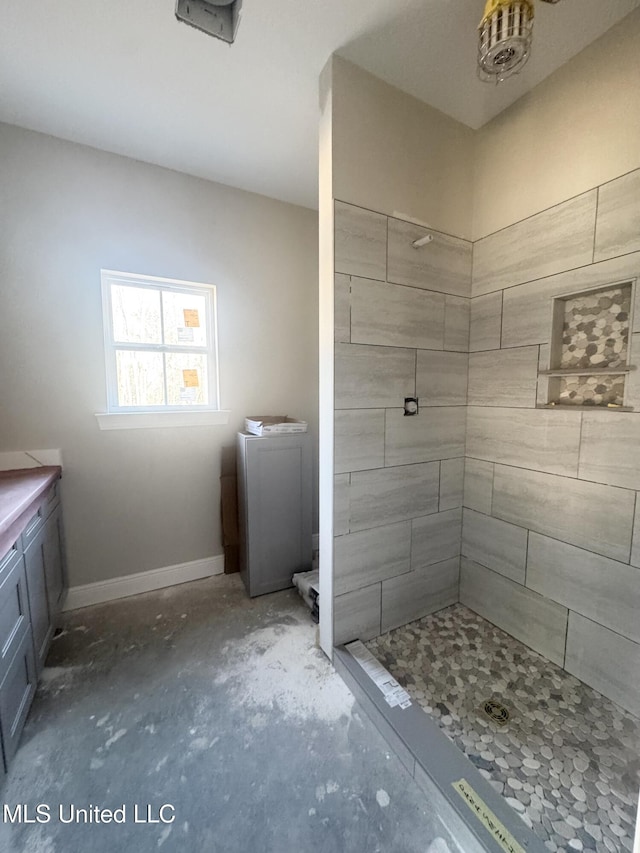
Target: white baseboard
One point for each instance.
(97, 593)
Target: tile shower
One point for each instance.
(566, 757)
(538, 553)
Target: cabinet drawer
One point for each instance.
(14, 612)
(33, 527)
(16, 694)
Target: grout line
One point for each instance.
(571, 545)
(407, 221)
(566, 272)
(386, 255)
(580, 447)
(401, 409)
(464, 480)
(633, 528)
(473, 271)
(444, 327)
(613, 180)
(595, 226)
(548, 473)
(540, 212)
(402, 465)
(466, 396)
(473, 243)
(384, 441)
(468, 509)
(605, 627)
(566, 641)
(416, 286)
(390, 346)
(411, 541)
(493, 480)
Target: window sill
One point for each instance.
(159, 420)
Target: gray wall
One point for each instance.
(142, 499)
(549, 549)
(396, 154)
(401, 330)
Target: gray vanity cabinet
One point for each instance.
(32, 585)
(274, 507)
(17, 663)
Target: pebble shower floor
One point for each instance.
(568, 760)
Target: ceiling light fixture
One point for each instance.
(506, 31)
(219, 18)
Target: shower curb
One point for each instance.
(436, 764)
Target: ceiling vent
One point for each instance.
(219, 18)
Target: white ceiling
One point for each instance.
(125, 76)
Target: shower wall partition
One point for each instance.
(401, 331)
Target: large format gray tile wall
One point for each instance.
(401, 330)
(550, 530)
(551, 518)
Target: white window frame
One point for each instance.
(131, 416)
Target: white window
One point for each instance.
(160, 344)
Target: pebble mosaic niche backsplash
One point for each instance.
(595, 335)
(591, 390)
(596, 329)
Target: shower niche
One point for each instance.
(589, 356)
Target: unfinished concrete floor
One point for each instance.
(222, 707)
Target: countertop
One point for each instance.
(20, 493)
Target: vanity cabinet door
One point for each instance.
(16, 694)
(41, 624)
(53, 562)
(14, 611)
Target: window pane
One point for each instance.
(185, 320)
(140, 378)
(187, 380)
(136, 315)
